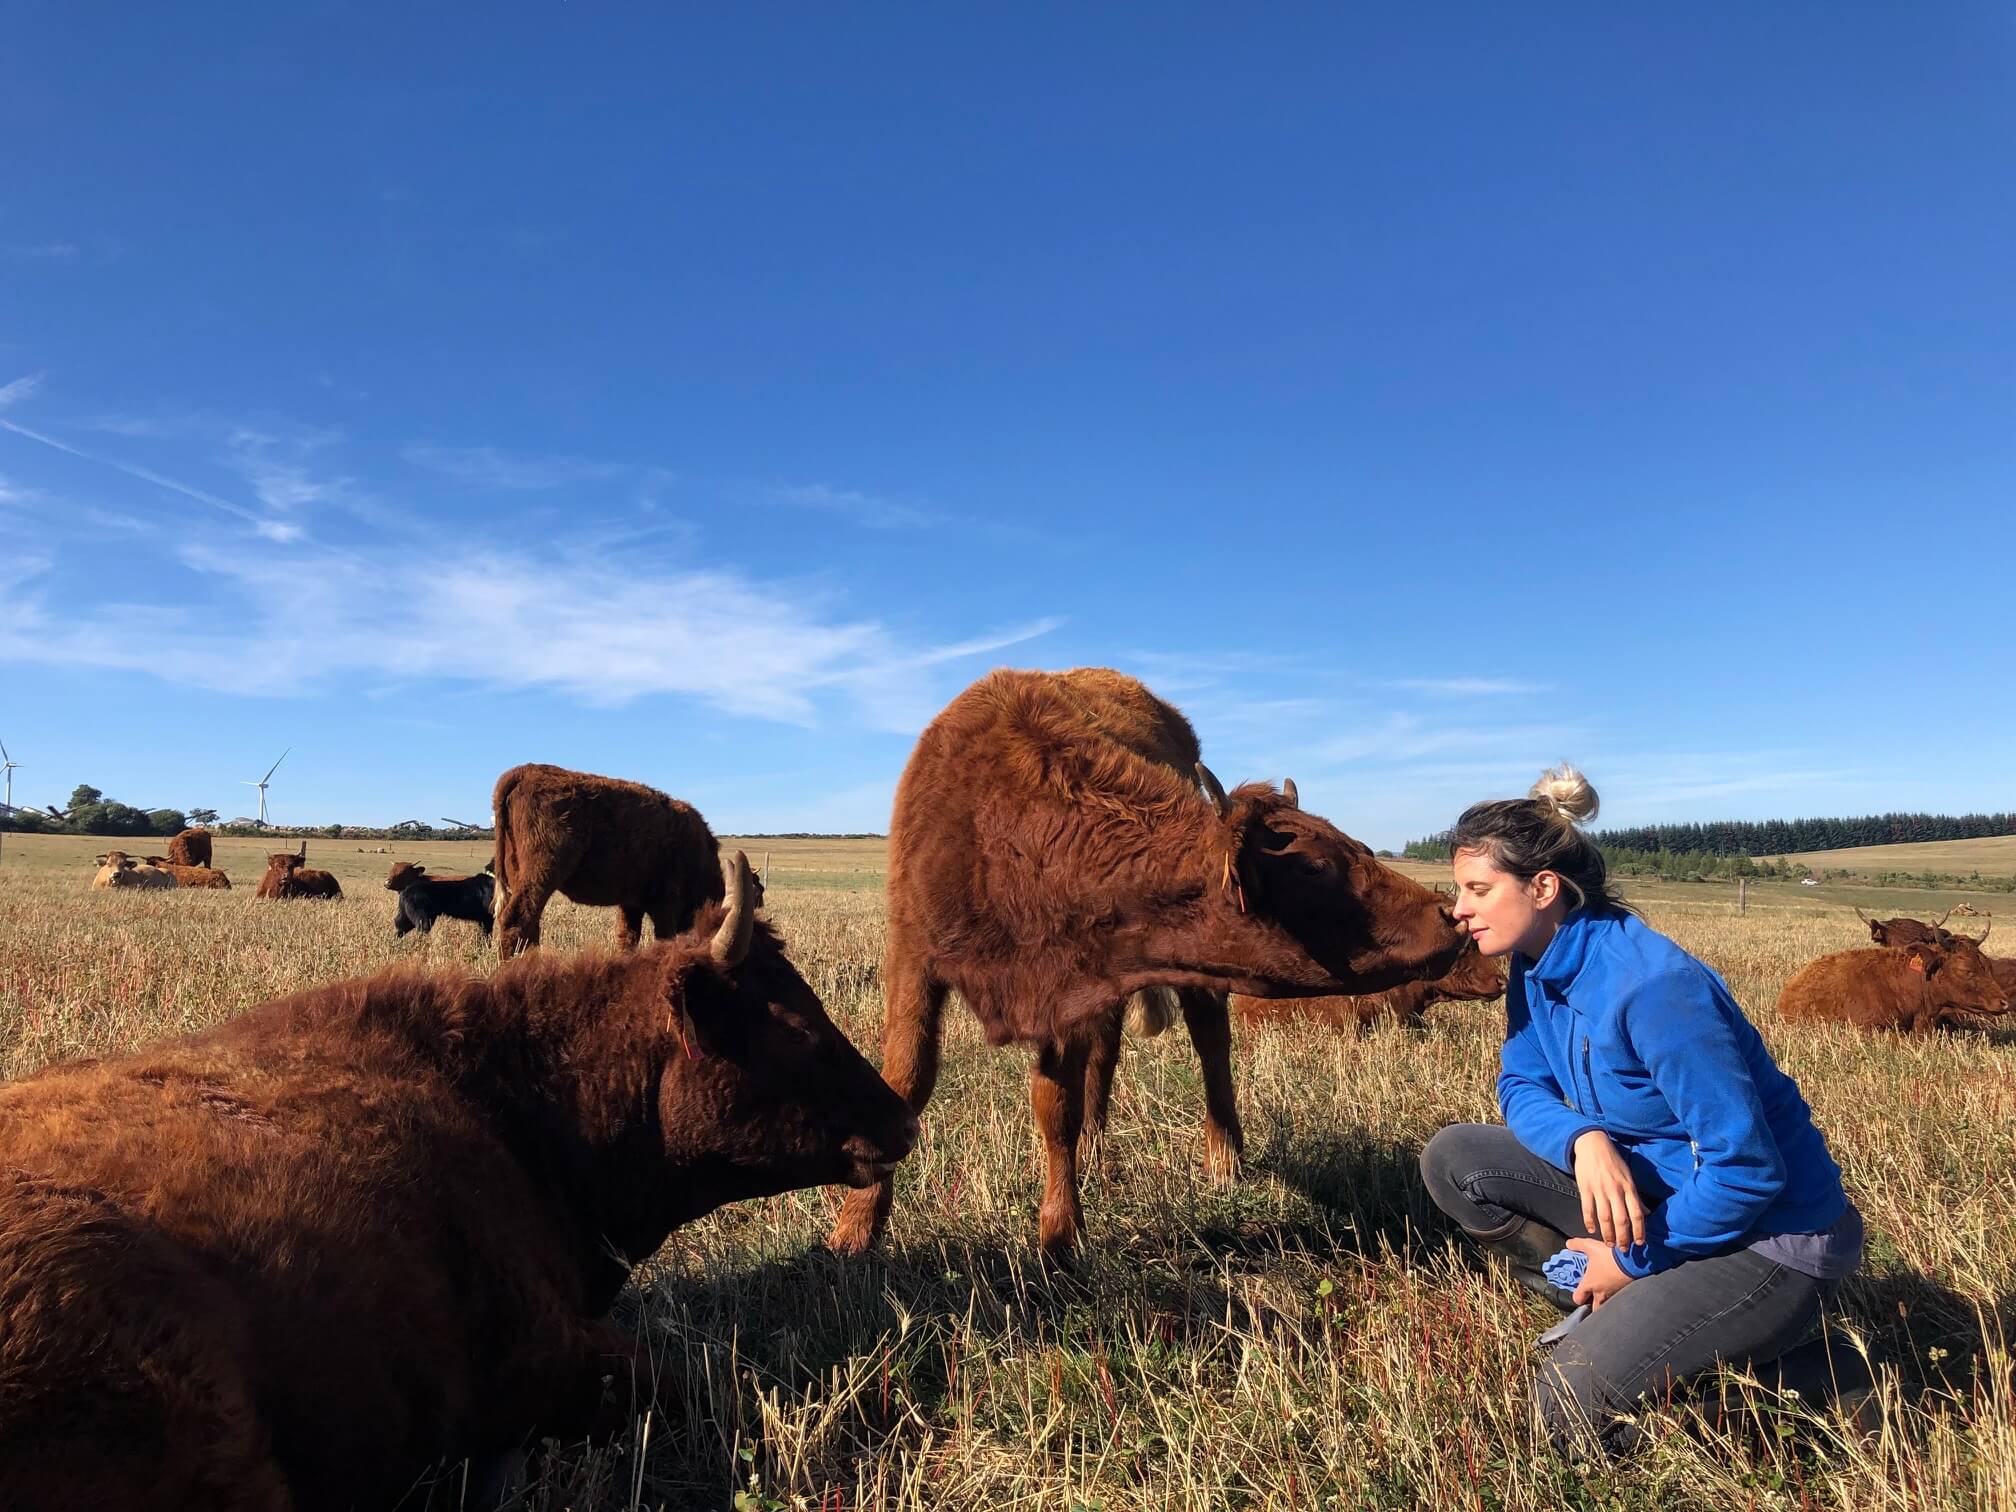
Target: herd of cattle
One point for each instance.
(376, 1226)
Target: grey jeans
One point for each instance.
(1651, 1339)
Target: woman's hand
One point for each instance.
(1604, 1278)
(1610, 1204)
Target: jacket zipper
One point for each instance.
(1589, 1076)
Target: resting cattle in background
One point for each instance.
(190, 848)
(1913, 989)
(603, 842)
(1473, 979)
(117, 869)
(287, 877)
(189, 876)
(1050, 855)
(1904, 930)
(423, 899)
(376, 1226)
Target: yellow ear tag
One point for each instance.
(1917, 964)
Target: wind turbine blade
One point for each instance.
(276, 766)
(3, 752)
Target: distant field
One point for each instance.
(1994, 857)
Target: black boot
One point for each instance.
(1528, 1244)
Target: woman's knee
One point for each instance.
(1448, 1161)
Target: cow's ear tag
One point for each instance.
(682, 1030)
(1917, 963)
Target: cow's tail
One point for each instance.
(500, 840)
(1151, 1010)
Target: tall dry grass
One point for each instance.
(1312, 1337)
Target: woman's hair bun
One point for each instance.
(1568, 792)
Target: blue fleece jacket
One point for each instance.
(1617, 1028)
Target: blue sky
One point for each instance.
(706, 398)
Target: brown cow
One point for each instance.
(603, 842)
(190, 848)
(295, 1261)
(287, 877)
(1913, 989)
(1050, 855)
(1474, 979)
(1905, 930)
(189, 876)
(116, 869)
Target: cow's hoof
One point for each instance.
(1222, 1163)
(862, 1218)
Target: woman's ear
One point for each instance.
(1546, 887)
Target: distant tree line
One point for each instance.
(1735, 839)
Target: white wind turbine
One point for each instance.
(8, 763)
(261, 784)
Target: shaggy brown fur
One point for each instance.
(287, 877)
(189, 876)
(1474, 979)
(603, 842)
(1050, 855)
(190, 848)
(1913, 989)
(117, 869)
(290, 1264)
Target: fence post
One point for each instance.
(766, 871)
(1742, 895)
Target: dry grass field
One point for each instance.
(1992, 857)
(1312, 1337)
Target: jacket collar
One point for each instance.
(1562, 961)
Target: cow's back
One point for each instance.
(1868, 988)
(326, 1187)
(1016, 745)
(623, 840)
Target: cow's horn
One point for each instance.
(1288, 791)
(1942, 918)
(731, 940)
(1983, 940)
(1214, 790)
(1862, 916)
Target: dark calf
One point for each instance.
(423, 899)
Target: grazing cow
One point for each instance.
(423, 899)
(287, 877)
(1912, 989)
(289, 1264)
(1474, 979)
(189, 876)
(190, 848)
(603, 842)
(117, 869)
(1050, 855)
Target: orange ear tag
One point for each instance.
(679, 1028)
(1917, 964)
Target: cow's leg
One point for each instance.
(1102, 1058)
(1057, 1094)
(518, 920)
(1207, 1016)
(402, 925)
(629, 925)
(913, 1015)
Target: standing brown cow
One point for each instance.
(1913, 989)
(1050, 855)
(190, 848)
(291, 1264)
(287, 877)
(1473, 979)
(603, 842)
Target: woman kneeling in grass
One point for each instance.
(1649, 1131)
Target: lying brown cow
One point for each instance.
(1905, 930)
(1913, 989)
(117, 869)
(603, 842)
(1050, 855)
(1474, 979)
(190, 848)
(290, 1264)
(189, 876)
(287, 877)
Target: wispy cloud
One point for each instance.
(21, 388)
(568, 625)
(862, 509)
(490, 467)
(1467, 687)
(146, 475)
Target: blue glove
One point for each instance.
(1565, 1267)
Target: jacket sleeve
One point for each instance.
(1688, 1041)
(1528, 1094)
